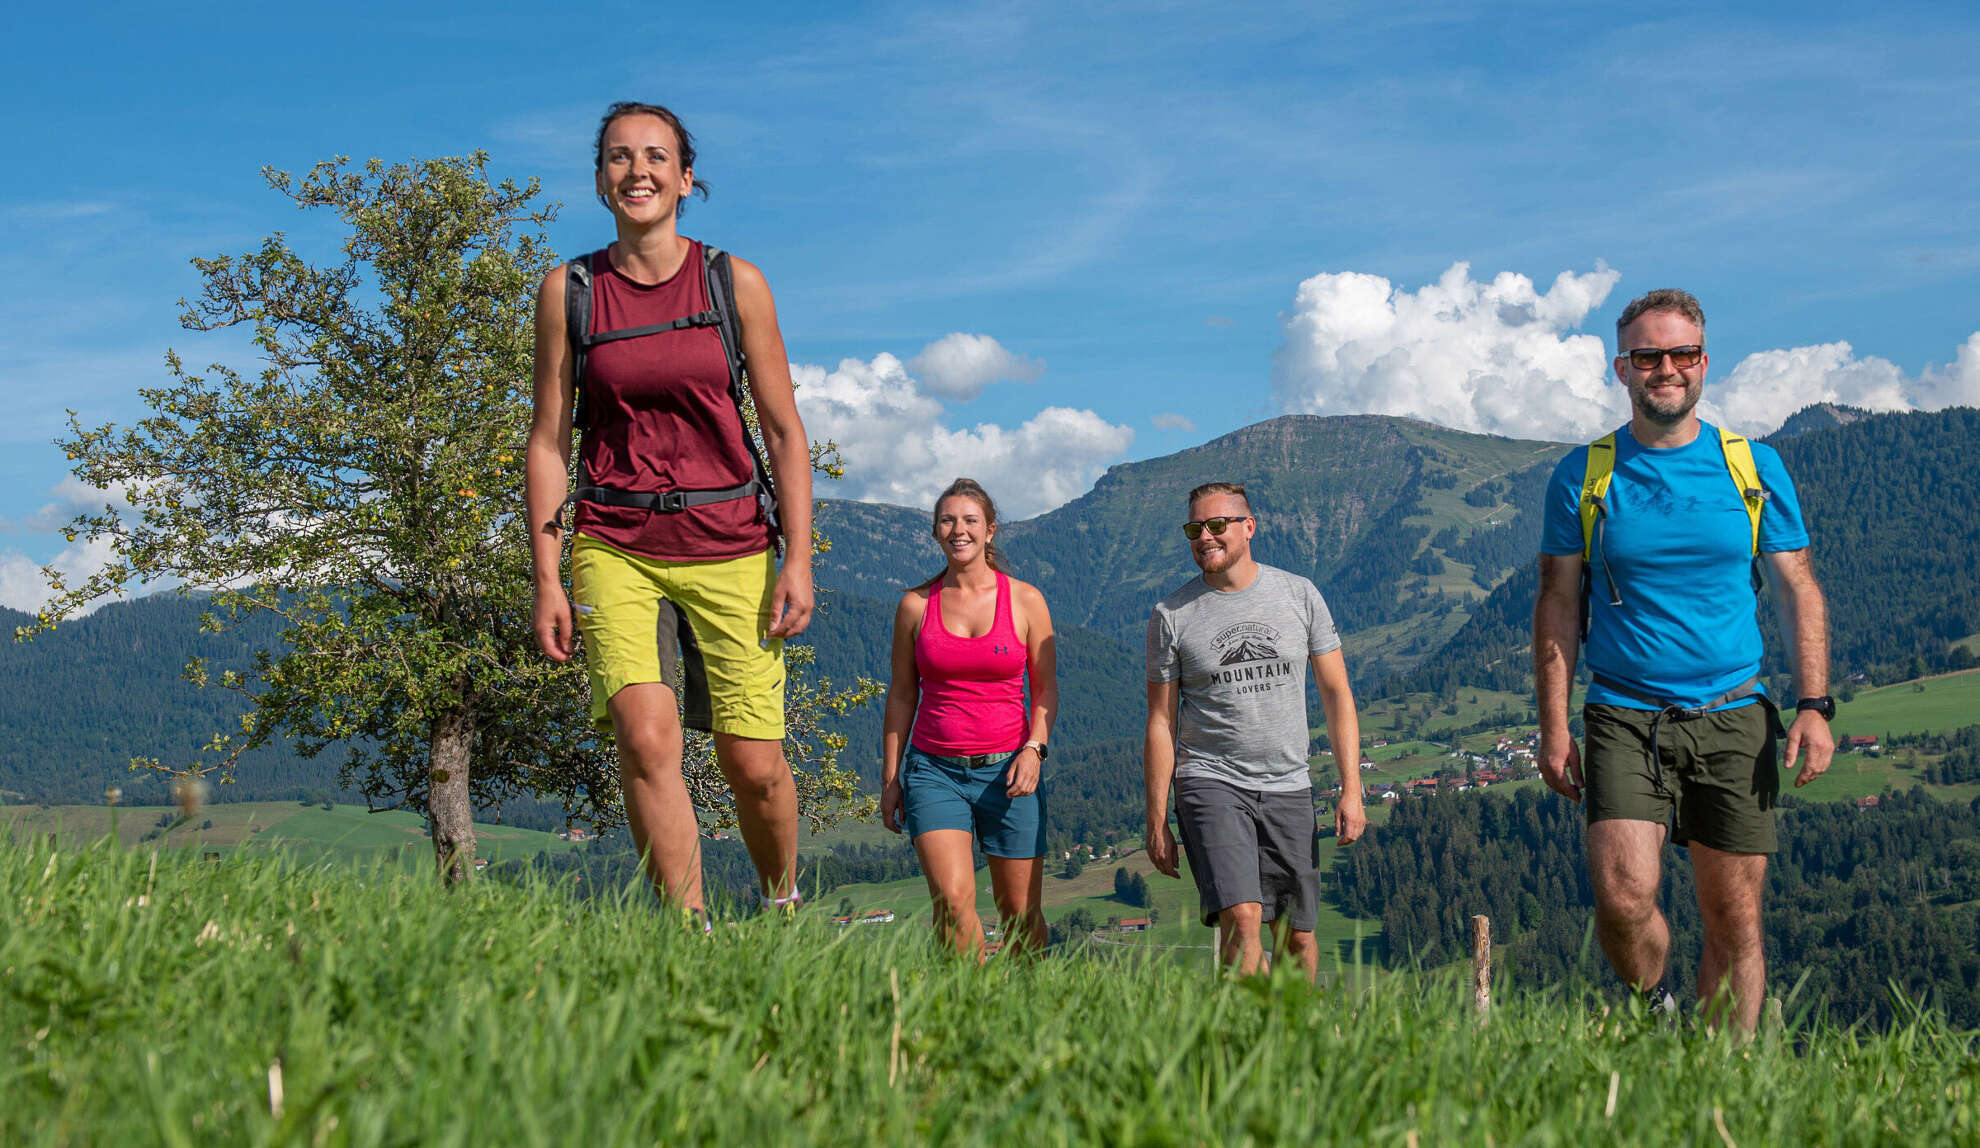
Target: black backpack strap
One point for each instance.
(577, 328)
(721, 284)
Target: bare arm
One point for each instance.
(1344, 733)
(1041, 665)
(1804, 617)
(1158, 769)
(785, 442)
(546, 467)
(1556, 645)
(903, 694)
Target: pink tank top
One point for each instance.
(972, 689)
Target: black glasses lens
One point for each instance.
(1192, 530)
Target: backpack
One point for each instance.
(720, 286)
(1595, 509)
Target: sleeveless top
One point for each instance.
(661, 419)
(972, 689)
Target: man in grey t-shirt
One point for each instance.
(1228, 656)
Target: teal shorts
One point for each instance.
(967, 793)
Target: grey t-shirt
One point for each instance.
(1241, 658)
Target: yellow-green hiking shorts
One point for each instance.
(696, 627)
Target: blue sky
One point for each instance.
(1161, 221)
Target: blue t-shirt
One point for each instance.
(1680, 546)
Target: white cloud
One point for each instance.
(959, 365)
(898, 447)
(23, 586)
(72, 496)
(1495, 357)
(1758, 394)
(1170, 420)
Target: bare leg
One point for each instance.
(1018, 885)
(647, 726)
(1732, 972)
(1238, 936)
(766, 807)
(1299, 945)
(951, 872)
(1625, 863)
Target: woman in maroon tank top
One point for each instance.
(968, 775)
(660, 420)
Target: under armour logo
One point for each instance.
(1001, 649)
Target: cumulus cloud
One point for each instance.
(1768, 386)
(959, 366)
(1496, 356)
(1170, 420)
(23, 587)
(899, 447)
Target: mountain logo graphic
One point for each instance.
(1248, 649)
(1246, 642)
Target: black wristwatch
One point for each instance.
(1824, 705)
(1043, 752)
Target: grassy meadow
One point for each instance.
(309, 833)
(1938, 704)
(154, 998)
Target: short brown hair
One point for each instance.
(1210, 488)
(1670, 299)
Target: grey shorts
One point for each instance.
(1246, 845)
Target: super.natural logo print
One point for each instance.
(1249, 653)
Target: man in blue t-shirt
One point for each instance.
(1680, 730)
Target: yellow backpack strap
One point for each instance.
(1595, 488)
(1746, 479)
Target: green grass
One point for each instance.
(1939, 704)
(151, 999)
(347, 833)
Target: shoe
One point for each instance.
(1660, 1006)
(786, 906)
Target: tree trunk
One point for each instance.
(450, 813)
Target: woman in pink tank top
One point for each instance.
(964, 643)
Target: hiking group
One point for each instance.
(657, 347)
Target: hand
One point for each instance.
(1162, 848)
(1810, 731)
(1560, 765)
(890, 804)
(1022, 777)
(550, 620)
(1349, 820)
(792, 601)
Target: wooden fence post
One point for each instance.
(1481, 966)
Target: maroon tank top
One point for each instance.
(661, 419)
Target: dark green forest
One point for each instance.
(1857, 899)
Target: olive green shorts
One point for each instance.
(1717, 781)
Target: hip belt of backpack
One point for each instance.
(719, 282)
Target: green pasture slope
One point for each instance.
(150, 998)
(1928, 705)
(309, 833)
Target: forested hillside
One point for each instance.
(78, 703)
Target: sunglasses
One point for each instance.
(1650, 358)
(1194, 530)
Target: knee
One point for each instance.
(955, 906)
(1622, 903)
(647, 752)
(1242, 920)
(758, 772)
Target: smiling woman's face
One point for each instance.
(640, 176)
